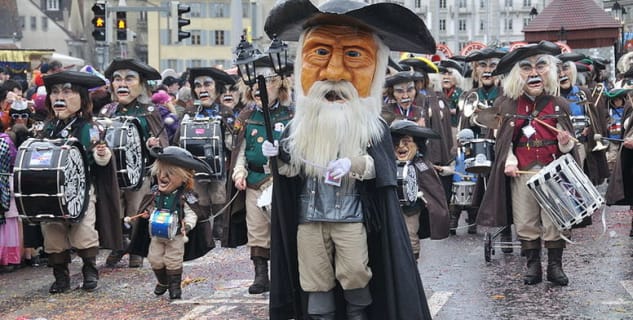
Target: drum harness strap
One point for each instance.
(540, 105)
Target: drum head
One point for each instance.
(75, 183)
(124, 137)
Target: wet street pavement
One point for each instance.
(459, 283)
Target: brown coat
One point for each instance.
(620, 188)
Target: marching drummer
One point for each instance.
(70, 107)
(250, 171)
(536, 129)
(128, 78)
(429, 211)
(208, 85)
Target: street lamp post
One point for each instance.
(533, 13)
(618, 12)
(562, 35)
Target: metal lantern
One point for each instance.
(245, 57)
(278, 53)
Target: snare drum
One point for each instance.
(463, 193)
(203, 138)
(163, 224)
(479, 154)
(565, 192)
(407, 183)
(51, 180)
(123, 136)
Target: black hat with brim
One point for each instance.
(400, 77)
(181, 158)
(510, 59)
(571, 56)
(77, 78)
(420, 64)
(392, 63)
(443, 65)
(215, 74)
(146, 72)
(399, 28)
(600, 63)
(619, 92)
(410, 128)
(581, 67)
(485, 53)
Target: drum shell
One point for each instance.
(163, 224)
(463, 193)
(479, 156)
(125, 139)
(203, 138)
(40, 187)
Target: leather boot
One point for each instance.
(218, 222)
(261, 283)
(534, 273)
(59, 262)
(472, 221)
(163, 281)
(357, 301)
(631, 232)
(453, 221)
(506, 239)
(135, 261)
(321, 305)
(90, 273)
(175, 279)
(113, 258)
(555, 272)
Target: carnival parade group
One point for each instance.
(332, 184)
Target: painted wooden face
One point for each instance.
(339, 53)
(534, 73)
(65, 101)
(126, 84)
(406, 148)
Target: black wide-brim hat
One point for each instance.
(581, 67)
(181, 158)
(77, 78)
(399, 28)
(571, 56)
(510, 59)
(484, 54)
(443, 66)
(399, 77)
(147, 72)
(215, 74)
(410, 128)
(420, 64)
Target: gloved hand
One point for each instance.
(269, 149)
(339, 167)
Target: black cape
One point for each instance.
(396, 287)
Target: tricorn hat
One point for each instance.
(617, 92)
(216, 74)
(571, 56)
(410, 128)
(399, 28)
(509, 60)
(443, 66)
(147, 72)
(420, 64)
(400, 77)
(182, 158)
(78, 78)
(485, 53)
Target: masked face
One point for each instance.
(231, 96)
(168, 181)
(204, 87)
(565, 75)
(406, 149)
(448, 80)
(64, 100)
(485, 69)
(533, 72)
(126, 84)
(404, 93)
(335, 53)
(273, 83)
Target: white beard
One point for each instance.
(322, 131)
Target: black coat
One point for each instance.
(396, 287)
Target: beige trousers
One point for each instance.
(530, 220)
(165, 253)
(257, 221)
(413, 226)
(61, 236)
(332, 251)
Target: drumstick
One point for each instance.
(167, 122)
(134, 217)
(554, 128)
(526, 172)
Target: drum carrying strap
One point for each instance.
(175, 204)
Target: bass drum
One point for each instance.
(123, 136)
(203, 138)
(51, 180)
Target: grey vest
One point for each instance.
(326, 203)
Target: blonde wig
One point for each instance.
(513, 84)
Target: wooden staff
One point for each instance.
(554, 129)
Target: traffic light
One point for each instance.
(177, 10)
(99, 22)
(121, 26)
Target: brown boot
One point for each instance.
(163, 281)
(175, 280)
(59, 262)
(555, 271)
(453, 220)
(135, 261)
(260, 258)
